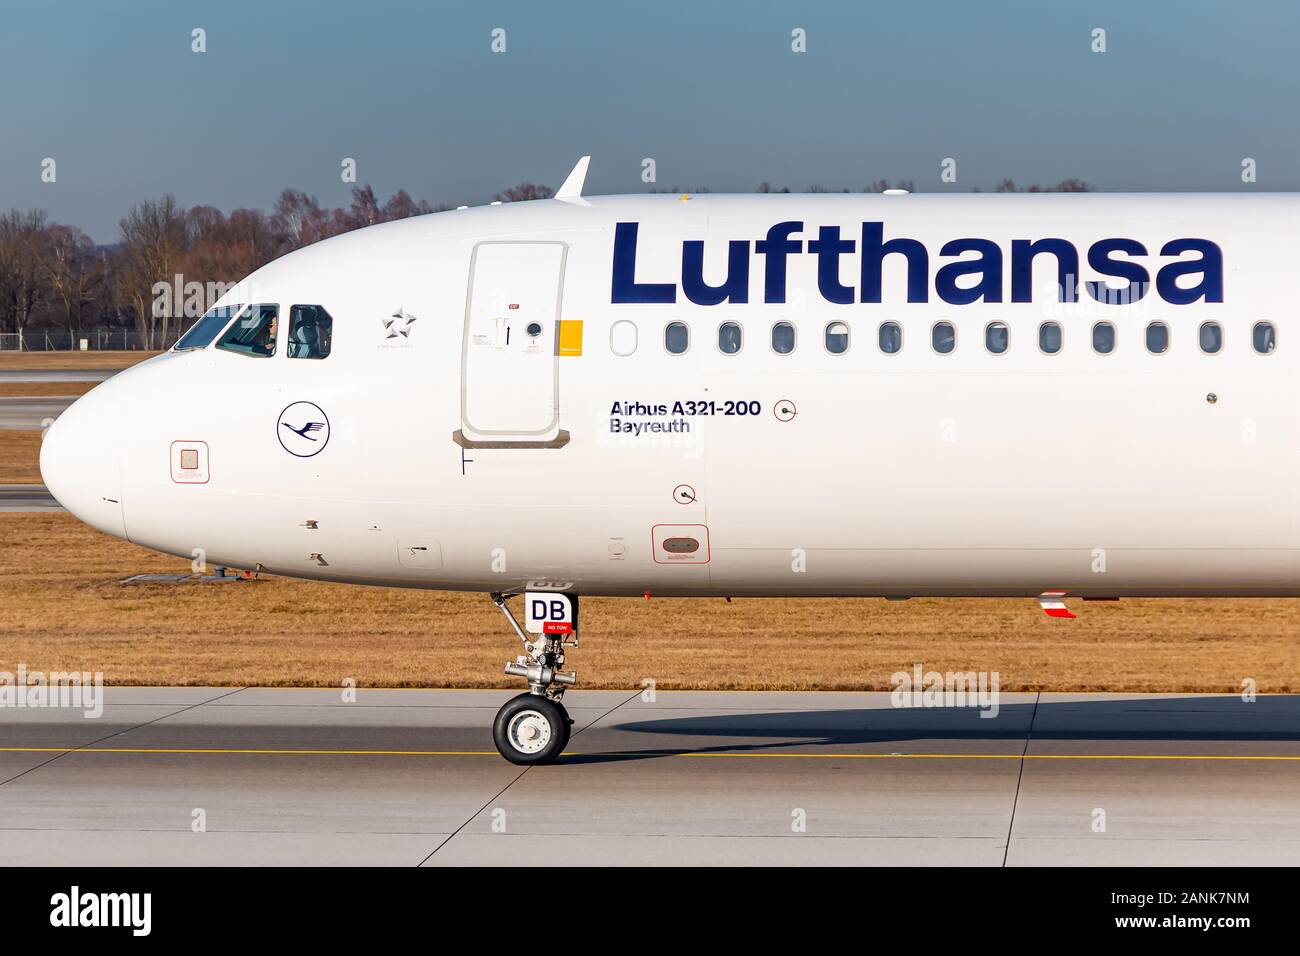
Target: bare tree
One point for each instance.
(24, 284)
(880, 185)
(523, 192)
(73, 274)
(153, 245)
(1070, 185)
(298, 219)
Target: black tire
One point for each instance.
(567, 728)
(531, 729)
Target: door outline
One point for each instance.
(562, 438)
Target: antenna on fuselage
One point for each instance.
(572, 187)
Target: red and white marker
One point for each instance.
(1053, 605)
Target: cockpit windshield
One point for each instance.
(205, 329)
(253, 332)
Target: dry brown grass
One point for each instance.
(20, 456)
(62, 608)
(37, 389)
(71, 360)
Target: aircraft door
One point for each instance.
(510, 387)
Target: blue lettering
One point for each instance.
(988, 265)
(775, 248)
(1100, 260)
(828, 247)
(1112, 258)
(874, 250)
(1022, 268)
(625, 288)
(736, 286)
(1210, 267)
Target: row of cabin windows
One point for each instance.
(943, 338)
(254, 331)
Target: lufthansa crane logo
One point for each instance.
(303, 429)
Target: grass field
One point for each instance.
(24, 389)
(61, 607)
(71, 360)
(20, 451)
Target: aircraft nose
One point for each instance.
(80, 460)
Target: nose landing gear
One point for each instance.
(534, 728)
(531, 729)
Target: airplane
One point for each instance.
(830, 395)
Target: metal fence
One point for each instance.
(62, 340)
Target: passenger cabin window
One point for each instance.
(207, 328)
(837, 338)
(677, 338)
(253, 332)
(1103, 338)
(622, 337)
(891, 337)
(310, 332)
(1157, 338)
(1264, 337)
(783, 338)
(943, 337)
(729, 338)
(1049, 338)
(1211, 337)
(996, 337)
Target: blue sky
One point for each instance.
(709, 89)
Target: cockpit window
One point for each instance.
(203, 331)
(253, 333)
(310, 329)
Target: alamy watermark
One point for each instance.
(922, 688)
(82, 690)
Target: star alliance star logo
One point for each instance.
(399, 324)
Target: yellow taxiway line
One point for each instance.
(685, 753)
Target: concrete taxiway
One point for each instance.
(57, 374)
(409, 777)
(27, 498)
(32, 412)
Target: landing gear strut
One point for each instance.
(534, 728)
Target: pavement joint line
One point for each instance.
(473, 816)
(1020, 779)
(276, 752)
(60, 752)
(497, 796)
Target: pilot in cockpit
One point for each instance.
(265, 345)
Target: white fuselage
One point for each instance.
(465, 453)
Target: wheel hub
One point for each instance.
(529, 731)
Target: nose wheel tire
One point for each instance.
(531, 729)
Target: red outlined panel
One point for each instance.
(680, 543)
(188, 462)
